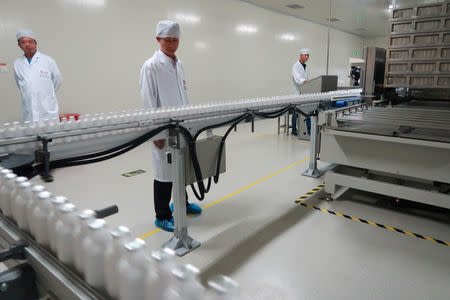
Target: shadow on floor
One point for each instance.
(253, 235)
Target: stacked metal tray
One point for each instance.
(418, 54)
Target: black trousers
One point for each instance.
(162, 192)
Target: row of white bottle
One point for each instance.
(109, 260)
(141, 276)
(143, 117)
(16, 129)
(55, 224)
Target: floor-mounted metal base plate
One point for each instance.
(314, 173)
(181, 246)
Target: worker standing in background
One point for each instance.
(163, 84)
(38, 78)
(299, 77)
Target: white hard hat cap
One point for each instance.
(168, 28)
(25, 33)
(304, 51)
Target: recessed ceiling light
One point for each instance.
(288, 37)
(295, 6)
(244, 28)
(186, 18)
(332, 19)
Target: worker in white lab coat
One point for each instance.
(163, 84)
(38, 78)
(299, 77)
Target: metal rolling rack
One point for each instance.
(401, 151)
(419, 47)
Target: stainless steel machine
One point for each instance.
(398, 146)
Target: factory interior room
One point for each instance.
(224, 149)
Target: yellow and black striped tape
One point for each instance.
(310, 193)
(420, 236)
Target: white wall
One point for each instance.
(342, 47)
(100, 46)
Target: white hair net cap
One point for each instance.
(168, 28)
(25, 33)
(304, 51)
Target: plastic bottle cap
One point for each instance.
(185, 271)
(59, 200)
(25, 184)
(223, 284)
(38, 188)
(96, 224)
(11, 176)
(21, 179)
(86, 214)
(135, 244)
(67, 208)
(120, 231)
(44, 195)
(6, 171)
(163, 255)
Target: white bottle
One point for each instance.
(40, 212)
(114, 251)
(29, 207)
(7, 186)
(132, 271)
(79, 233)
(94, 253)
(223, 288)
(11, 198)
(63, 233)
(185, 284)
(3, 173)
(159, 273)
(18, 207)
(53, 217)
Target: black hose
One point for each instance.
(139, 140)
(121, 149)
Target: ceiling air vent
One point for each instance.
(332, 19)
(295, 6)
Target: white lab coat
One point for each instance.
(38, 82)
(162, 84)
(299, 75)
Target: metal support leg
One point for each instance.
(181, 242)
(44, 157)
(314, 148)
(279, 125)
(286, 123)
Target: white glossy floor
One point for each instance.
(252, 230)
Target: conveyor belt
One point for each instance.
(418, 123)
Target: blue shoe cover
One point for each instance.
(166, 225)
(191, 209)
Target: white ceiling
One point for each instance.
(366, 18)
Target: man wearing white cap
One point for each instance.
(38, 78)
(163, 84)
(299, 77)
